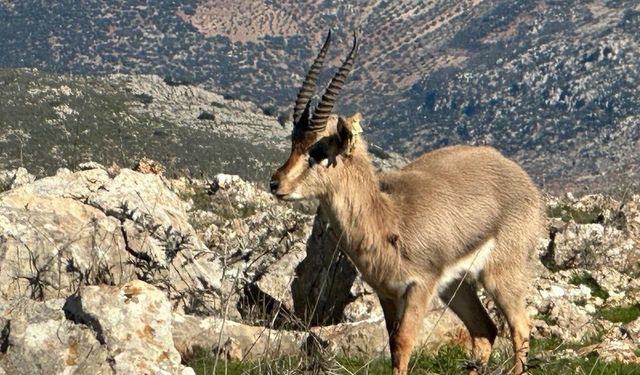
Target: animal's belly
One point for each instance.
(468, 267)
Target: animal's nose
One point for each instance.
(274, 184)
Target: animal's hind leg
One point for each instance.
(508, 292)
(463, 300)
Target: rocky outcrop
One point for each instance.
(364, 338)
(86, 228)
(11, 179)
(589, 290)
(100, 330)
(38, 339)
(586, 231)
(133, 268)
(134, 322)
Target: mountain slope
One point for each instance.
(550, 83)
(561, 98)
(52, 121)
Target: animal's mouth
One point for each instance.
(288, 196)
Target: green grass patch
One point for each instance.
(554, 343)
(204, 363)
(550, 343)
(621, 314)
(586, 365)
(585, 278)
(449, 360)
(569, 213)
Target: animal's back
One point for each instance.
(461, 195)
(464, 173)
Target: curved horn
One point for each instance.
(322, 112)
(309, 85)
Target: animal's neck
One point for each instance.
(365, 217)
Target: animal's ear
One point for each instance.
(348, 128)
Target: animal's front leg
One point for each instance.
(411, 309)
(390, 310)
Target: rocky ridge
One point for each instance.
(55, 121)
(116, 270)
(552, 84)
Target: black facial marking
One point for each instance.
(318, 153)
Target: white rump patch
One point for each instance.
(471, 264)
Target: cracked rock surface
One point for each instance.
(80, 228)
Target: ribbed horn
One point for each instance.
(309, 85)
(322, 112)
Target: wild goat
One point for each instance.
(452, 217)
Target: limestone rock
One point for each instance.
(631, 210)
(260, 243)
(133, 321)
(588, 230)
(69, 230)
(620, 343)
(563, 309)
(40, 340)
(214, 332)
(11, 179)
(364, 338)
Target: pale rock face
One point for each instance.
(11, 179)
(577, 243)
(363, 338)
(133, 321)
(42, 341)
(259, 242)
(230, 338)
(623, 289)
(47, 234)
(631, 212)
(620, 343)
(102, 330)
(593, 228)
(559, 308)
(592, 258)
(61, 232)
